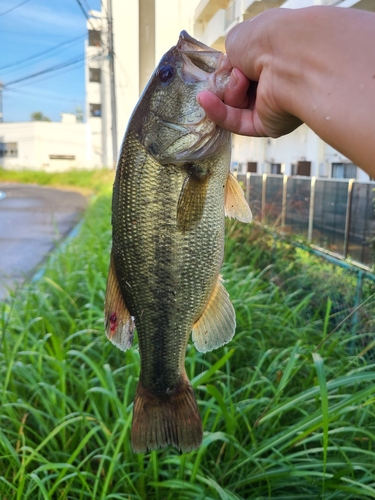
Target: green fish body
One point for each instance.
(172, 191)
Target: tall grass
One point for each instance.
(82, 180)
(287, 412)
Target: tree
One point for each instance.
(79, 114)
(37, 116)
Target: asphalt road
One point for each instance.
(33, 220)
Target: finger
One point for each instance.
(236, 120)
(236, 91)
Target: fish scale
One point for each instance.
(166, 269)
(172, 191)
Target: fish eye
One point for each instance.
(166, 74)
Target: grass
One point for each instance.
(287, 412)
(85, 181)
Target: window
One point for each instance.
(344, 171)
(8, 149)
(94, 75)
(95, 110)
(304, 168)
(94, 38)
(62, 157)
(275, 168)
(252, 166)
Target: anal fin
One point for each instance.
(217, 323)
(235, 203)
(119, 323)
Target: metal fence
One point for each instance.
(335, 214)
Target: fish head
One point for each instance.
(168, 120)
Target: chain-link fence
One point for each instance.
(336, 220)
(337, 215)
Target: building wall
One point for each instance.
(45, 146)
(170, 19)
(126, 47)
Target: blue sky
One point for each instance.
(37, 26)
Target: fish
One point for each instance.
(172, 190)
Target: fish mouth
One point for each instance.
(187, 42)
(203, 64)
(187, 135)
(206, 69)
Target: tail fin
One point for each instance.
(170, 418)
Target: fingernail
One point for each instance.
(233, 80)
(199, 98)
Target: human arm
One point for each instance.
(314, 65)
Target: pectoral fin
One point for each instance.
(235, 203)
(191, 202)
(217, 324)
(119, 323)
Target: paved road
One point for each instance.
(32, 220)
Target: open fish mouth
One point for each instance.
(174, 127)
(202, 63)
(208, 69)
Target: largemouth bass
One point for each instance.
(172, 191)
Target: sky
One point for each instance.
(35, 26)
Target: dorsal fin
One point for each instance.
(119, 323)
(217, 323)
(236, 206)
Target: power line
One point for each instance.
(14, 8)
(111, 56)
(85, 13)
(51, 49)
(87, 5)
(103, 8)
(45, 96)
(47, 70)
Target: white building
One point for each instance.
(143, 31)
(50, 146)
(302, 152)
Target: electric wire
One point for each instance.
(103, 8)
(39, 54)
(87, 5)
(45, 96)
(44, 71)
(53, 69)
(85, 14)
(14, 8)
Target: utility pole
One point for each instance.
(146, 41)
(111, 56)
(1, 102)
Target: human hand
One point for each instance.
(253, 100)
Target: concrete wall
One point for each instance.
(39, 142)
